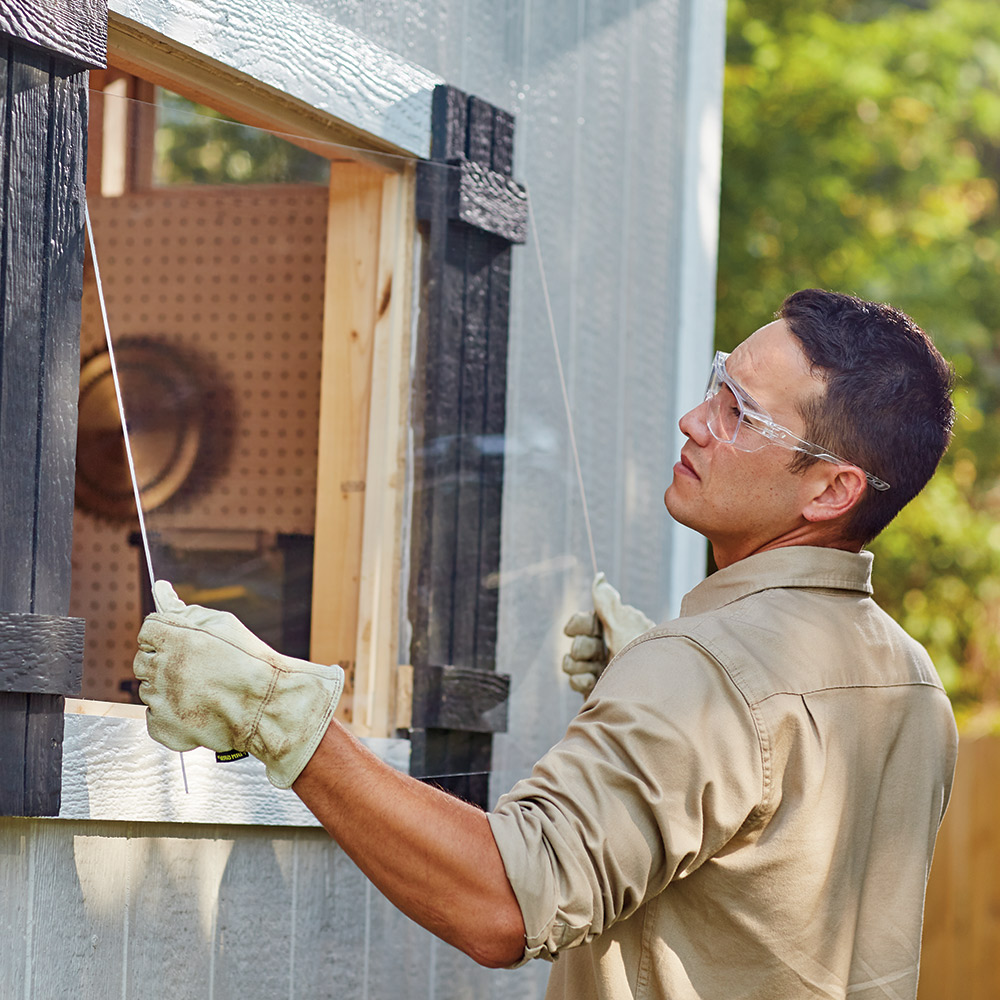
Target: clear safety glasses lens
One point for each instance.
(728, 421)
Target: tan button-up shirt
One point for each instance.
(747, 803)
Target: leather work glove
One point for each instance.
(599, 635)
(207, 680)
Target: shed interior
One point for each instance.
(239, 272)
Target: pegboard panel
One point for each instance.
(106, 580)
(234, 278)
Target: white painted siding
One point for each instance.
(315, 60)
(166, 912)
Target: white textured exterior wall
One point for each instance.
(144, 911)
(618, 106)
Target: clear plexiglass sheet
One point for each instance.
(324, 446)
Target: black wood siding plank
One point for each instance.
(13, 707)
(455, 698)
(472, 213)
(23, 322)
(430, 211)
(6, 113)
(61, 342)
(436, 436)
(443, 403)
(471, 423)
(449, 124)
(41, 654)
(479, 145)
(494, 436)
(77, 29)
(43, 754)
(492, 202)
(456, 761)
(502, 156)
(41, 256)
(13, 738)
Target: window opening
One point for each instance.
(230, 257)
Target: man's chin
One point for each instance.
(682, 512)
(673, 502)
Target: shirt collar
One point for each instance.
(791, 566)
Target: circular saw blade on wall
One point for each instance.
(165, 408)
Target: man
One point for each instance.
(747, 803)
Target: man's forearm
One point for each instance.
(429, 853)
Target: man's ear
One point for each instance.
(840, 490)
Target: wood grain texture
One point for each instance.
(492, 466)
(114, 771)
(76, 29)
(41, 654)
(17, 849)
(462, 699)
(84, 875)
(349, 317)
(41, 269)
(492, 202)
(328, 925)
(62, 291)
(43, 755)
(502, 152)
(436, 399)
(449, 124)
(22, 318)
(245, 964)
(388, 428)
(471, 423)
(13, 740)
(163, 911)
(283, 48)
(961, 935)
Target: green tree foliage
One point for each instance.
(197, 145)
(861, 153)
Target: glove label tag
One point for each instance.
(230, 755)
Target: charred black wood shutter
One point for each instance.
(471, 212)
(46, 48)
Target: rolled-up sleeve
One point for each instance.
(661, 768)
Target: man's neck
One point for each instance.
(726, 552)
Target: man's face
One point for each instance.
(741, 501)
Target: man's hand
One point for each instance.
(599, 635)
(207, 680)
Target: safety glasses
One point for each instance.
(737, 419)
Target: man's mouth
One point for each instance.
(687, 465)
(685, 468)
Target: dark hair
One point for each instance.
(887, 405)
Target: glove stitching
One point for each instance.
(309, 748)
(255, 725)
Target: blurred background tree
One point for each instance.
(196, 144)
(861, 154)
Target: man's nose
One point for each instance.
(694, 424)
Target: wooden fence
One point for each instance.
(961, 945)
